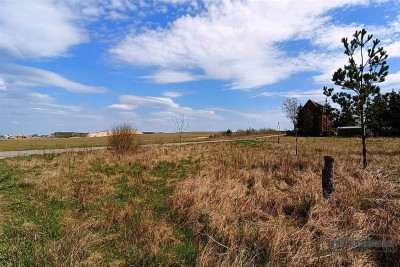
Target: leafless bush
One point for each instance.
(181, 125)
(123, 139)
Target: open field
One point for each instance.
(51, 143)
(242, 203)
(59, 143)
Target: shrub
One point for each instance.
(123, 138)
(227, 133)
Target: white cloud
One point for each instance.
(95, 9)
(40, 113)
(393, 49)
(175, 1)
(393, 79)
(330, 55)
(172, 94)
(21, 100)
(22, 76)
(40, 98)
(148, 101)
(330, 36)
(122, 107)
(37, 28)
(168, 76)
(166, 104)
(313, 94)
(236, 41)
(3, 86)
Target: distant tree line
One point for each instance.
(383, 114)
(252, 131)
(245, 132)
(69, 134)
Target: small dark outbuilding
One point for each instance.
(350, 131)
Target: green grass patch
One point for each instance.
(248, 142)
(166, 169)
(35, 222)
(31, 222)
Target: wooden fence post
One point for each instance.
(328, 186)
(279, 140)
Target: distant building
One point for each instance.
(312, 120)
(350, 131)
(106, 133)
(99, 134)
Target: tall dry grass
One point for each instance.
(236, 204)
(263, 205)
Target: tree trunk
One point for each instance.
(296, 142)
(364, 144)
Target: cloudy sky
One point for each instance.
(71, 65)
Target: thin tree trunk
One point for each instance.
(364, 144)
(296, 142)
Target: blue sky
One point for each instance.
(71, 65)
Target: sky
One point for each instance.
(85, 66)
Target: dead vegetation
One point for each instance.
(239, 204)
(123, 139)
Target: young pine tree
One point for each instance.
(359, 79)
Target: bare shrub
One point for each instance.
(123, 138)
(182, 123)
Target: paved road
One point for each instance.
(8, 154)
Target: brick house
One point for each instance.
(312, 120)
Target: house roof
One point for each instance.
(314, 103)
(350, 127)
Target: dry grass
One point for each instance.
(240, 204)
(50, 143)
(156, 138)
(123, 139)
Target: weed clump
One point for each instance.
(122, 139)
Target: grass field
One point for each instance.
(244, 203)
(156, 138)
(49, 143)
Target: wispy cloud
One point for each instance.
(172, 94)
(313, 94)
(37, 28)
(121, 107)
(23, 76)
(40, 113)
(392, 82)
(167, 105)
(169, 76)
(3, 86)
